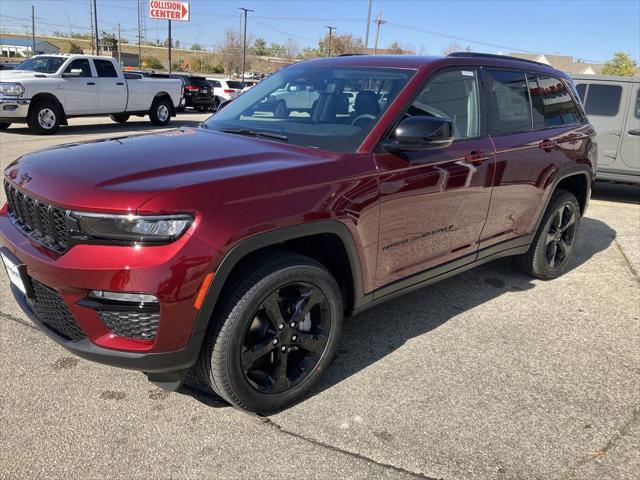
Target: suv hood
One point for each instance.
(120, 174)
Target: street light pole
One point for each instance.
(119, 49)
(366, 35)
(379, 22)
(33, 30)
(139, 38)
(244, 41)
(331, 29)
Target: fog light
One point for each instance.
(123, 297)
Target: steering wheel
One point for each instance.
(364, 116)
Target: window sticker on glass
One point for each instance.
(467, 73)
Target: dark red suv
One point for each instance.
(235, 250)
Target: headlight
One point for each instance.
(132, 228)
(11, 89)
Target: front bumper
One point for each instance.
(173, 273)
(14, 109)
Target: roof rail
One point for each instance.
(491, 55)
(350, 54)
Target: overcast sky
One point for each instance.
(590, 30)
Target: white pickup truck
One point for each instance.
(45, 90)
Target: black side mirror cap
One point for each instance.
(420, 133)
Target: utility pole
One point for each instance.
(33, 30)
(119, 49)
(331, 29)
(139, 38)
(379, 22)
(244, 41)
(95, 25)
(93, 36)
(170, 45)
(366, 35)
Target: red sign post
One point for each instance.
(169, 10)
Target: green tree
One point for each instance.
(260, 47)
(621, 64)
(152, 62)
(74, 48)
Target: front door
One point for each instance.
(80, 93)
(434, 202)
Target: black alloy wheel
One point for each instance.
(560, 235)
(286, 338)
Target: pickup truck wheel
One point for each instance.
(4, 126)
(120, 117)
(554, 242)
(160, 113)
(44, 118)
(275, 334)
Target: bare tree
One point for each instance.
(452, 47)
(395, 48)
(291, 48)
(231, 50)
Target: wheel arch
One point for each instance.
(163, 94)
(38, 97)
(341, 259)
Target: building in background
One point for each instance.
(23, 47)
(564, 63)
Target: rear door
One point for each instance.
(80, 93)
(605, 104)
(630, 151)
(535, 126)
(112, 90)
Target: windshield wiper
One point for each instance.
(256, 133)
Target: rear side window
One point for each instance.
(581, 88)
(508, 108)
(105, 69)
(638, 104)
(559, 107)
(215, 83)
(234, 84)
(602, 100)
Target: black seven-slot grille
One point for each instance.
(51, 310)
(44, 223)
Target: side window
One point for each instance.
(582, 90)
(451, 94)
(215, 83)
(603, 100)
(638, 104)
(105, 69)
(80, 64)
(559, 107)
(508, 108)
(537, 107)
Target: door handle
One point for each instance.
(91, 83)
(476, 157)
(548, 145)
(634, 131)
(119, 83)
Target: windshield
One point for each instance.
(325, 107)
(42, 64)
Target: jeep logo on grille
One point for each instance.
(24, 178)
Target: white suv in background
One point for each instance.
(225, 89)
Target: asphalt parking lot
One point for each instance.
(488, 375)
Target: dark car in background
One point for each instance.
(198, 94)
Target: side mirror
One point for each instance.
(420, 133)
(75, 72)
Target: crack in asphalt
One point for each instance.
(17, 320)
(612, 442)
(333, 448)
(634, 272)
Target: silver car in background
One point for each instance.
(613, 107)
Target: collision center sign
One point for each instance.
(168, 10)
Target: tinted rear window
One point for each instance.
(105, 68)
(199, 82)
(603, 100)
(234, 84)
(508, 109)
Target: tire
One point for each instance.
(120, 117)
(4, 126)
(44, 117)
(301, 345)
(554, 242)
(160, 113)
(216, 104)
